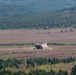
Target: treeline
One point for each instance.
(32, 62)
(36, 72)
(17, 63)
(57, 19)
(40, 72)
(13, 63)
(40, 61)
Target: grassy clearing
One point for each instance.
(48, 67)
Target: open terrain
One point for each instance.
(24, 52)
(56, 51)
(63, 36)
(24, 37)
(19, 44)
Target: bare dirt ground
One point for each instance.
(33, 36)
(26, 52)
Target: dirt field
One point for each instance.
(27, 52)
(33, 36)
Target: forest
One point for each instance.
(36, 14)
(56, 19)
(16, 63)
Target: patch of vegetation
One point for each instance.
(32, 62)
(39, 72)
(46, 20)
(40, 61)
(10, 63)
(36, 72)
(37, 66)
